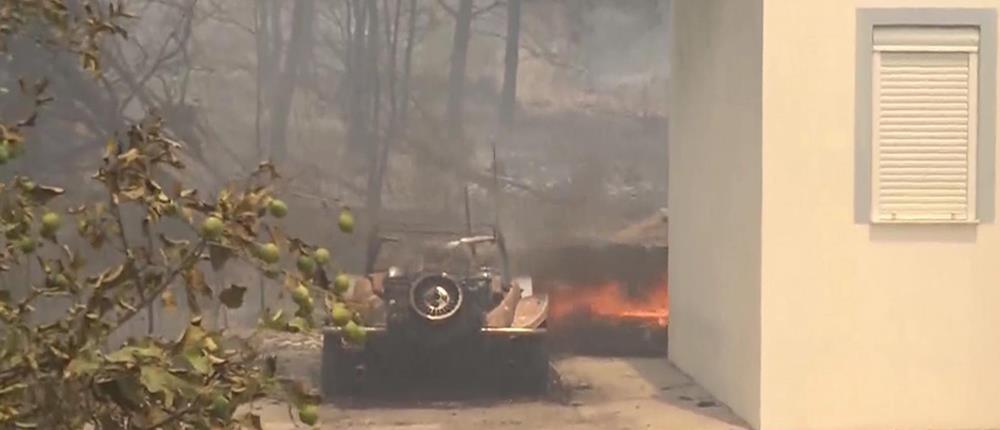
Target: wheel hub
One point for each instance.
(436, 297)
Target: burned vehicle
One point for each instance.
(439, 306)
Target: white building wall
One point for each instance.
(863, 327)
(715, 198)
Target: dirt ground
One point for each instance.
(598, 394)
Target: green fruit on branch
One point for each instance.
(212, 228)
(269, 253)
(340, 315)
(341, 283)
(277, 208)
(306, 264)
(346, 221)
(309, 414)
(322, 256)
(51, 222)
(354, 333)
(300, 294)
(27, 245)
(5, 154)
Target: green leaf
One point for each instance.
(113, 276)
(193, 336)
(12, 388)
(157, 380)
(134, 193)
(43, 194)
(232, 297)
(121, 356)
(132, 354)
(82, 365)
(124, 391)
(198, 361)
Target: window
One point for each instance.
(924, 123)
(925, 115)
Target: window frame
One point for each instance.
(982, 166)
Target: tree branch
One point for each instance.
(447, 8)
(188, 261)
(482, 10)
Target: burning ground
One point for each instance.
(610, 302)
(607, 295)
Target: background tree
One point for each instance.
(60, 370)
(456, 72)
(512, 53)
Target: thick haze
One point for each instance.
(590, 132)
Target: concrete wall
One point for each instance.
(862, 326)
(715, 198)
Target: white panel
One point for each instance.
(924, 136)
(891, 38)
(527, 290)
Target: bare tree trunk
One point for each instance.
(359, 115)
(456, 74)
(372, 64)
(392, 43)
(392, 127)
(298, 48)
(261, 37)
(508, 98)
(404, 84)
(277, 46)
(357, 80)
(508, 95)
(373, 142)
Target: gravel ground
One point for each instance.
(600, 394)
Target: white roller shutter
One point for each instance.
(924, 125)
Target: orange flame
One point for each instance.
(608, 301)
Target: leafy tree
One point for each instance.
(61, 372)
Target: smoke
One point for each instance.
(588, 156)
(622, 42)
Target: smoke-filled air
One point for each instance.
(274, 213)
